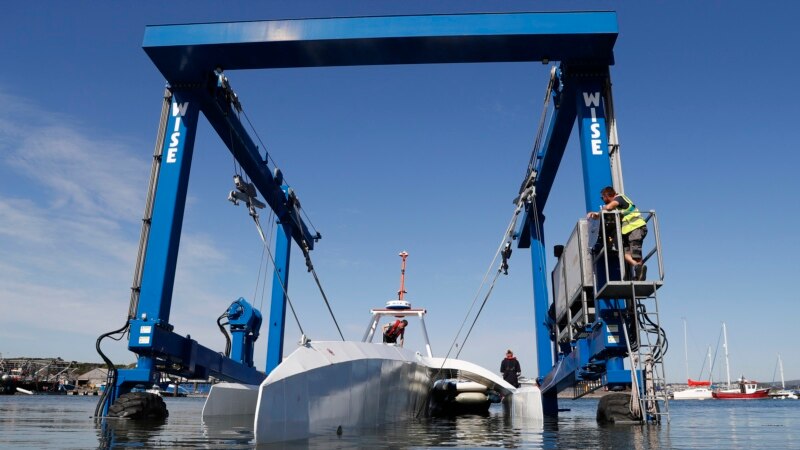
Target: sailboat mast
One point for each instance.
(686, 349)
(710, 364)
(780, 364)
(725, 346)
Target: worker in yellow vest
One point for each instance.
(633, 231)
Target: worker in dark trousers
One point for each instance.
(510, 369)
(633, 231)
(395, 333)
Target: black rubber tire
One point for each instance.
(139, 405)
(614, 408)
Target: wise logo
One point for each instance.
(178, 111)
(592, 101)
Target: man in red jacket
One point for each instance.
(392, 333)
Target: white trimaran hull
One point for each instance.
(332, 387)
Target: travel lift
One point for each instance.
(599, 314)
(597, 327)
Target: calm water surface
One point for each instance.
(65, 422)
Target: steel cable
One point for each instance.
(508, 232)
(275, 270)
(324, 297)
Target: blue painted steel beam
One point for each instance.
(158, 273)
(185, 53)
(552, 152)
(192, 359)
(280, 285)
(589, 360)
(541, 301)
(594, 141)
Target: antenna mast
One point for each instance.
(402, 290)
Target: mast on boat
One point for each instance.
(780, 365)
(686, 348)
(399, 308)
(400, 302)
(402, 290)
(725, 346)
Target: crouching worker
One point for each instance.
(394, 333)
(633, 231)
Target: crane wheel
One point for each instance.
(139, 405)
(614, 408)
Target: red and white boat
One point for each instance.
(747, 390)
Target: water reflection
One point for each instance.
(65, 422)
(114, 432)
(230, 429)
(494, 430)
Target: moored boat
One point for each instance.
(695, 393)
(747, 390)
(697, 389)
(782, 393)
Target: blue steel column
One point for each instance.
(596, 168)
(594, 142)
(158, 274)
(541, 304)
(280, 283)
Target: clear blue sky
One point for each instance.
(419, 158)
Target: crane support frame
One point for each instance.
(581, 97)
(191, 58)
(184, 53)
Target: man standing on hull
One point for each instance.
(510, 369)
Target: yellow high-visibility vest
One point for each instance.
(631, 218)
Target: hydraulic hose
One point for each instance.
(225, 333)
(111, 379)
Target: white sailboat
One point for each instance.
(696, 390)
(782, 393)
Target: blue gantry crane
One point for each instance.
(582, 352)
(597, 317)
